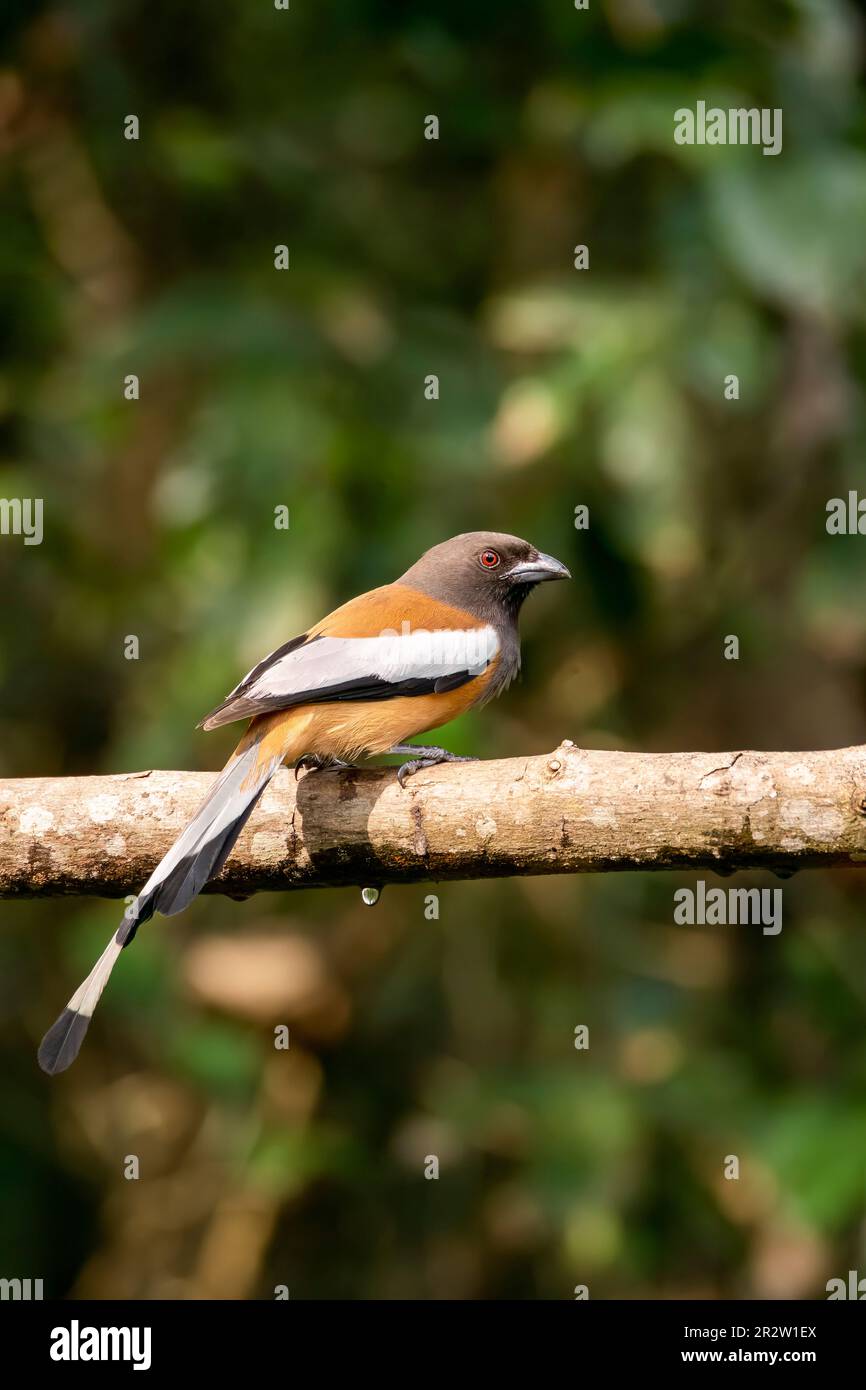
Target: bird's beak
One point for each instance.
(537, 570)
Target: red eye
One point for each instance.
(489, 559)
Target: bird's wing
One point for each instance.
(319, 667)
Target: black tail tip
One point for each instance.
(61, 1044)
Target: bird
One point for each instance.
(392, 663)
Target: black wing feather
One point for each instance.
(238, 705)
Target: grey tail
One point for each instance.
(198, 855)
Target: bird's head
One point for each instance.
(483, 572)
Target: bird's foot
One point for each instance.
(318, 762)
(426, 756)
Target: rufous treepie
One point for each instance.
(390, 664)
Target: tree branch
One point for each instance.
(570, 811)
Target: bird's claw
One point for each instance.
(406, 769)
(442, 756)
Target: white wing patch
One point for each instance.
(392, 657)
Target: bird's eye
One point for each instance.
(489, 559)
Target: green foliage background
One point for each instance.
(452, 1037)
